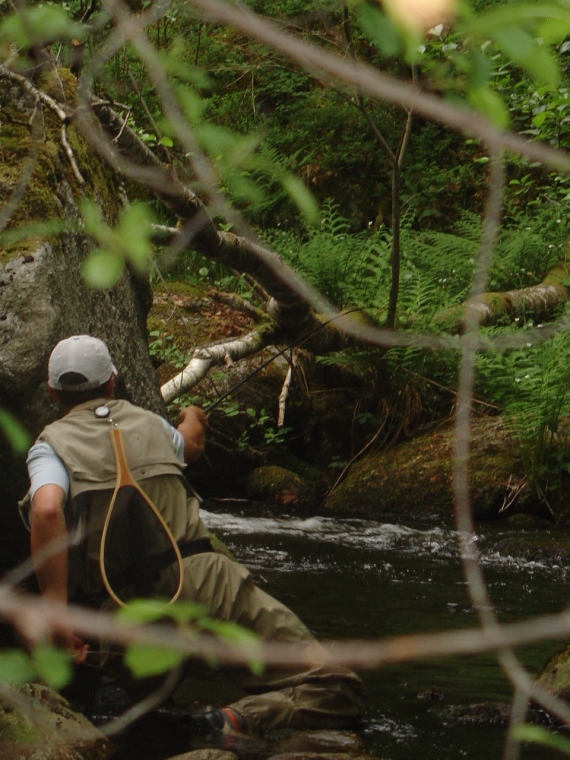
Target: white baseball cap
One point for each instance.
(83, 355)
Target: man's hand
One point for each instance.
(64, 638)
(192, 424)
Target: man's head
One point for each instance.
(80, 368)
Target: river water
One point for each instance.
(362, 578)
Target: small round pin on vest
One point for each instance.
(102, 412)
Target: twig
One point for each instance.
(36, 93)
(285, 389)
(122, 129)
(513, 492)
(70, 155)
(353, 460)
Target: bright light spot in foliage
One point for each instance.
(420, 15)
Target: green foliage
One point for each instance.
(146, 660)
(532, 387)
(542, 736)
(52, 665)
(260, 428)
(47, 663)
(17, 436)
(163, 348)
(16, 666)
(43, 23)
(347, 267)
(128, 242)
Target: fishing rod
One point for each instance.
(295, 344)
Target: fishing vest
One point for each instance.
(82, 441)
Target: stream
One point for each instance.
(356, 577)
(378, 579)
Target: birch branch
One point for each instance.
(541, 301)
(204, 358)
(285, 390)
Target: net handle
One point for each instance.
(125, 478)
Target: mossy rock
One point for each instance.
(415, 477)
(555, 675)
(36, 723)
(279, 487)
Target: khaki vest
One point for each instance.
(82, 442)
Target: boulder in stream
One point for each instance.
(414, 478)
(36, 723)
(555, 675)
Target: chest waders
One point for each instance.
(134, 526)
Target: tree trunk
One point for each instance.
(540, 303)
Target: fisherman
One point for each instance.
(73, 474)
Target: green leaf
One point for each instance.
(151, 610)
(53, 665)
(553, 31)
(184, 612)
(485, 24)
(167, 141)
(380, 29)
(102, 269)
(490, 105)
(301, 196)
(230, 632)
(257, 667)
(132, 236)
(191, 103)
(144, 660)
(91, 218)
(480, 70)
(515, 43)
(542, 66)
(16, 666)
(143, 611)
(34, 26)
(17, 435)
(539, 735)
(539, 119)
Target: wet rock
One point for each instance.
(206, 754)
(414, 478)
(320, 742)
(432, 695)
(280, 487)
(486, 714)
(547, 550)
(555, 675)
(36, 723)
(482, 713)
(320, 756)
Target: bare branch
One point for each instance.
(70, 155)
(283, 396)
(36, 93)
(204, 358)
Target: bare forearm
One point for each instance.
(49, 543)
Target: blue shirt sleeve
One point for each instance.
(46, 468)
(177, 439)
